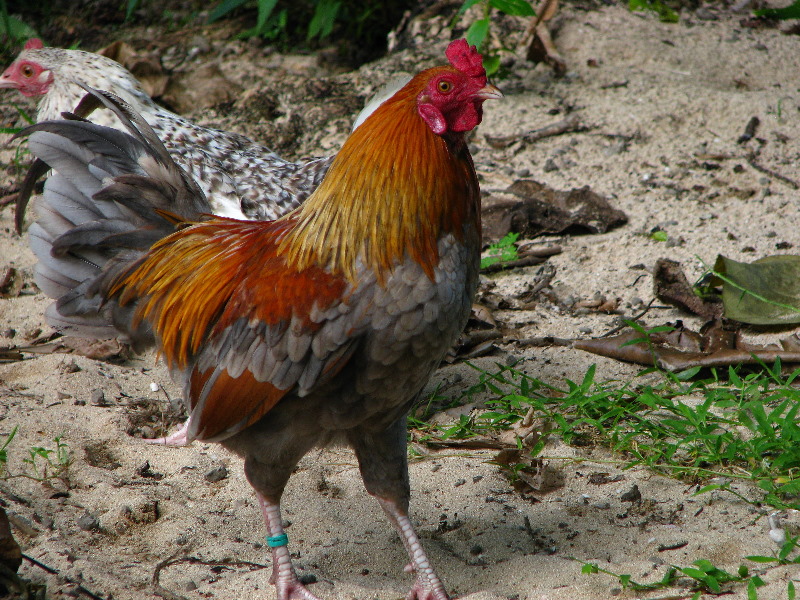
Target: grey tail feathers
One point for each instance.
(110, 198)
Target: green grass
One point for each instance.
(41, 464)
(742, 426)
(502, 251)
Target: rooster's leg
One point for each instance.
(287, 585)
(427, 586)
(383, 462)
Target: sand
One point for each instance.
(664, 105)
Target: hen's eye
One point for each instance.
(445, 87)
(26, 70)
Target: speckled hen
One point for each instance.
(241, 178)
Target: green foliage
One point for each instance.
(787, 12)
(42, 463)
(323, 20)
(12, 29)
(502, 251)
(665, 13)
(704, 575)
(478, 31)
(789, 554)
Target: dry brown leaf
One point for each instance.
(535, 208)
(671, 286)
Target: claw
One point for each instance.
(178, 438)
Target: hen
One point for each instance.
(241, 179)
(321, 327)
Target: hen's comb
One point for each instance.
(34, 44)
(465, 58)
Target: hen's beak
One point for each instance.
(7, 82)
(489, 93)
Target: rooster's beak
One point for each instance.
(489, 93)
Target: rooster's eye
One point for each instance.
(26, 70)
(445, 87)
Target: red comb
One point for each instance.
(34, 44)
(465, 58)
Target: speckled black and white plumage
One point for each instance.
(241, 178)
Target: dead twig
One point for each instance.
(751, 160)
(545, 341)
(566, 125)
(173, 560)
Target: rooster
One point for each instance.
(320, 327)
(242, 179)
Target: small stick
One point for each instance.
(570, 123)
(751, 159)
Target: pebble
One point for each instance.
(217, 474)
(632, 495)
(88, 522)
(460, 482)
(601, 505)
(550, 166)
(69, 367)
(98, 398)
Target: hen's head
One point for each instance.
(26, 74)
(452, 100)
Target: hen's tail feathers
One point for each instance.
(111, 196)
(138, 127)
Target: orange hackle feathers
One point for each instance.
(379, 202)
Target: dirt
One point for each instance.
(662, 108)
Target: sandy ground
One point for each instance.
(664, 105)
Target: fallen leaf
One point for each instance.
(535, 208)
(529, 476)
(671, 286)
(765, 292)
(10, 283)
